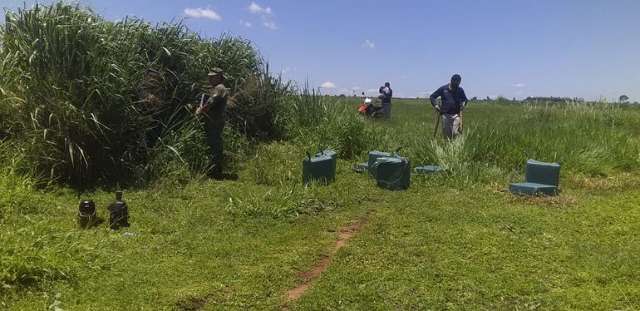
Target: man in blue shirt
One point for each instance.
(453, 101)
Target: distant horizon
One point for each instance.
(631, 102)
(374, 92)
(572, 48)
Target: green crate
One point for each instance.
(533, 189)
(320, 168)
(428, 169)
(542, 173)
(392, 173)
(332, 154)
(329, 153)
(540, 179)
(374, 155)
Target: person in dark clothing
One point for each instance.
(453, 101)
(212, 107)
(386, 93)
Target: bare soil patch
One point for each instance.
(308, 277)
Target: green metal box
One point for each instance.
(320, 168)
(428, 169)
(333, 155)
(374, 155)
(392, 173)
(542, 173)
(533, 189)
(328, 152)
(540, 179)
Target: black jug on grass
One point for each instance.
(118, 213)
(87, 216)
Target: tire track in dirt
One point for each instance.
(308, 277)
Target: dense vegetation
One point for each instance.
(94, 101)
(85, 101)
(462, 237)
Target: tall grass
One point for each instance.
(594, 139)
(95, 101)
(317, 122)
(260, 112)
(591, 139)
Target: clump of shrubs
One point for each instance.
(99, 102)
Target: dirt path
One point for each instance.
(309, 277)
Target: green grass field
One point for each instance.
(455, 241)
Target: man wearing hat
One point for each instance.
(453, 101)
(212, 107)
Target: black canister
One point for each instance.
(118, 213)
(87, 217)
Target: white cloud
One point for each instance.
(369, 44)
(355, 88)
(246, 24)
(202, 13)
(519, 85)
(270, 25)
(265, 13)
(328, 85)
(257, 9)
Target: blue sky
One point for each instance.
(513, 48)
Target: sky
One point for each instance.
(511, 48)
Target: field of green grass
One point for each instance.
(453, 241)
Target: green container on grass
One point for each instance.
(533, 189)
(540, 179)
(428, 169)
(328, 152)
(392, 173)
(332, 154)
(374, 155)
(543, 173)
(320, 168)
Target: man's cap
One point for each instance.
(216, 72)
(456, 77)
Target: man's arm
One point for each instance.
(202, 106)
(465, 100)
(434, 98)
(232, 102)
